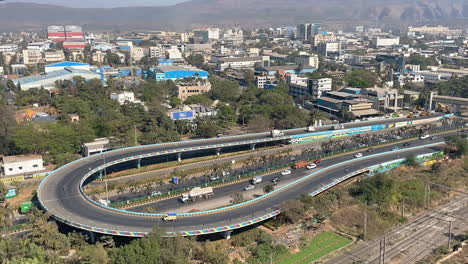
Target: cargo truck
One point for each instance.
(197, 193)
(300, 164)
(170, 217)
(310, 129)
(257, 180)
(276, 133)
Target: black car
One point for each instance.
(370, 150)
(406, 144)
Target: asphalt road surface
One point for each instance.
(61, 196)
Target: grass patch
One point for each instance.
(321, 245)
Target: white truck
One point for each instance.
(310, 129)
(256, 180)
(197, 193)
(337, 127)
(277, 133)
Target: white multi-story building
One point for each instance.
(240, 63)
(137, 53)
(54, 56)
(233, 36)
(31, 57)
(385, 42)
(41, 46)
(9, 48)
(262, 80)
(320, 86)
(173, 54)
(123, 97)
(157, 51)
(312, 61)
(22, 164)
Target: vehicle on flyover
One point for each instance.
(197, 193)
(277, 133)
(170, 218)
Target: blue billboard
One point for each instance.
(182, 115)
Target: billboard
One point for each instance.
(183, 115)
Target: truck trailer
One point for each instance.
(197, 193)
(277, 133)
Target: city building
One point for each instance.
(379, 42)
(66, 64)
(8, 48)
(384, 99)
(286, 69)
(74, 44)
(163, 73)
(266, 81)
(312, 61)
(22, 165)
(324, 37)
(99, 145)
(233, 36)
(320, 86)
(98, 57)
(173, 54)
(48, 80)
(340, 101)
(54, 56)
(326, 49)
(64, 33)
(31, 57)
(439, 30)
(185, 90)
(306, 32)
(41, 46)
(123, 97)
(137, 53)
(241, 63)
(157, 51)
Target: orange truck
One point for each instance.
(300, 164)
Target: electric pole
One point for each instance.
(450, 235)
(365, 223)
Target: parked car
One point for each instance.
(286, 172)
(358, 155)
(249, 187)
(422, 137)
(214, 178)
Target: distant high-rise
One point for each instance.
(307, 31)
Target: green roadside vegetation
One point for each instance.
(319, 246)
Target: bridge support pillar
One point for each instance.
(179, 157)
(100, 174)
(138, 163)
(218, 151)
(252, 146)
(227, 234)
(92, 237)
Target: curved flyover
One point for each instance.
(61, 195)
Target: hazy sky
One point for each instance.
(101, 3)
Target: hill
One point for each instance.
(196, 13)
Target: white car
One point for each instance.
(358, 155)
(422, 137)
(249, 187)
(286, 172)
(311, 166)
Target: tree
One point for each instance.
(175, 101)
(226, 115)
(362, 78)
(292, 211)
(411, 161)
(456, 146)
(207, 127)
(237, 198)
(268, 188)
(199, 99)
(196, 60)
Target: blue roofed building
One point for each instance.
(48, 80)
(66, 64)
(164, 73)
